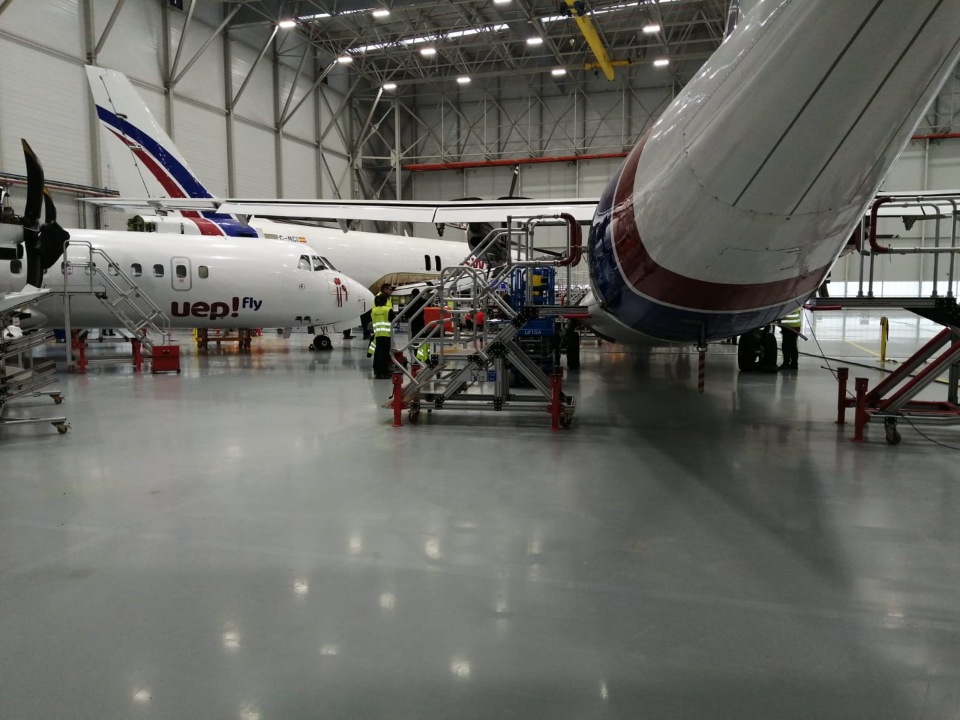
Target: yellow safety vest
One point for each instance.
(381, 321)
(794, 319)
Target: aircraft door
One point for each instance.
(180, 274)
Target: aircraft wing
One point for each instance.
(448, 211)
(158, 205)
(29, 294)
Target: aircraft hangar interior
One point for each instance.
(479, 359)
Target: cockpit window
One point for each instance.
(329, 264)
(304, 263)
(318, 263)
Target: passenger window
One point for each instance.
(158, 270)
(136, 269)
(426, 262)
(318, 264)
(304, 263)
(181, 271)
(203, 272)
(16, 267)
(329, 264)
(438, 263)
(112, 269)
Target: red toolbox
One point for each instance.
(166, 358)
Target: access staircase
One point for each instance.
(894, 398)
(469, 354)
(89, 271)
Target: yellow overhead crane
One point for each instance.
(585, 24)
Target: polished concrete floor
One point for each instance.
(253, 540)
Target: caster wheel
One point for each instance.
(57, 399)
(566, 421)
(62, 428)
(280, 332)
(893, 435)
(413, 416)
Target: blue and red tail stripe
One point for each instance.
(176, 180)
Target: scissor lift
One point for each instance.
(470, 369)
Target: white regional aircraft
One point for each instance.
(197, 283)
(146, 164)
(731, 210)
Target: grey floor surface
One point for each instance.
(253, 540)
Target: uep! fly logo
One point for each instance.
(214, 310)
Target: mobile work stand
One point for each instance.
(893, 398)
(20, 374)
(471, 368)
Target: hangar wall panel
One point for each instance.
(299, 170)
(204, 81)
(257, 101)
(138, 20)
(53, 23)
(44, 99)
(256, 161)
(336, 136)
(336, 176)
(201, 136)
(302, 123)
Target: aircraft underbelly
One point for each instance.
(739, 199)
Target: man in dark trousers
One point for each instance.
(382, 332)
(366, 319)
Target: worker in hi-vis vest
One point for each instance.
(790, 326)
(382, 331)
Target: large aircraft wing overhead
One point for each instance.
(449, 211)
(157, 204)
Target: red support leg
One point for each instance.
(137, 355)
(702, 372)
(842, 376)
(860, 418)
(556, 380)
(397, 399)
(79, 345)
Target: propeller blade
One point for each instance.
(35, 181)
(49, 208)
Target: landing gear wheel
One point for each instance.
(747, 350)
(322, 343)
(890, 428)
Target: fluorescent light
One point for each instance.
(661, 62)
(535, 40)
(463, 79)
(557, 72)
(285, 24)
(651, 29)
(382, 12)
(345, 59)
(389, 86)
(428, 51)
(501, 2)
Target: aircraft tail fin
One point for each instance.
(144, 160)
(733, 18)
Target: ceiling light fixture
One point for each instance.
(286, 24)
(535, 40)
(428, 51)
(345, 59)
(389, 86)
(463, 79)
(382, 12)
(557, 72)
(501, 2)
(651, 29)
(661, 62)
